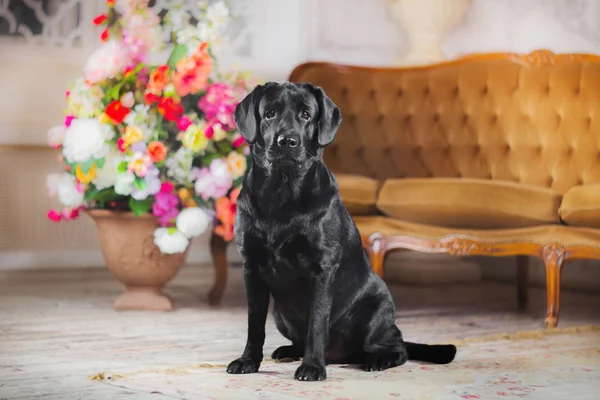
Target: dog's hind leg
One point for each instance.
(295, 351)
(291, 352)
(383, 342)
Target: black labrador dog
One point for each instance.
(300, 246)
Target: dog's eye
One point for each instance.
(270, 114)
(305, 115)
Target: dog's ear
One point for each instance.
(329, 119)
(246, 115)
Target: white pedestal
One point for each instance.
(425, 23)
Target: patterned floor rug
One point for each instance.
(541, 365)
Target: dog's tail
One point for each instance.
(433, 353)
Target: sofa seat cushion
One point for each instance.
(581, 206)
(468, 203)
(358, 193)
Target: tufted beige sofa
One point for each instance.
(492, 154)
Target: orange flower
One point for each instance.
(225, 231)
(192, 73)
(157, 151)
(225, 210)
(235, 192)
(185, 195)
(159, 78)
(110, 3)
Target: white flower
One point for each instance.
(179, 165)
(56, 136)
(170, 241)
(107, 175)
(217, 13)
(124, 183)
(68, 192)
(220, 171)
(52, 182)
(85, 138)
(84, 101)
(106, 62)
(192, 221)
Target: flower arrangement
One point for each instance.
(154, 137)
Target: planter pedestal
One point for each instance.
(127, 244)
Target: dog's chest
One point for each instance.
(281, 256)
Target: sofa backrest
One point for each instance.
(527, 118)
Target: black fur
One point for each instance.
(300, 246)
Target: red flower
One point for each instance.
(169, 108)
(104, 35)
(116, 111)
(150, 98)
(99, 19)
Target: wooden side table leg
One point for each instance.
(218, 249)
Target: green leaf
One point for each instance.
(140, 183)
(122, 167)
(113, 92)
(86, 166)
(101, 196)
(100, 162)
(179, 52)
(140, 207)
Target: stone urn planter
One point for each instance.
(127, 244)
(426, 22)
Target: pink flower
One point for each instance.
(70, 213)
(238, 142)
(127, 100)
(183, 122)
(219, 104)
(54, 215)
(68, 120)
(213, 182)
(106, 62)
(209, 132)
(165, 206)
(166, 187)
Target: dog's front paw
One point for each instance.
(243, 366)
(307, 372)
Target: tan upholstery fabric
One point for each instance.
(581, 206)
(358, 193)
(468, 203)
(542, 235)
(530, 121)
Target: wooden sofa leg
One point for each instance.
(377, 249)
(218, 250)
(554, 257)
(522, 282)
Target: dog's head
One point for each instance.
(287, 123)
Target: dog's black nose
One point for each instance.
(287, 141)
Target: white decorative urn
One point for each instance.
(426, 22)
